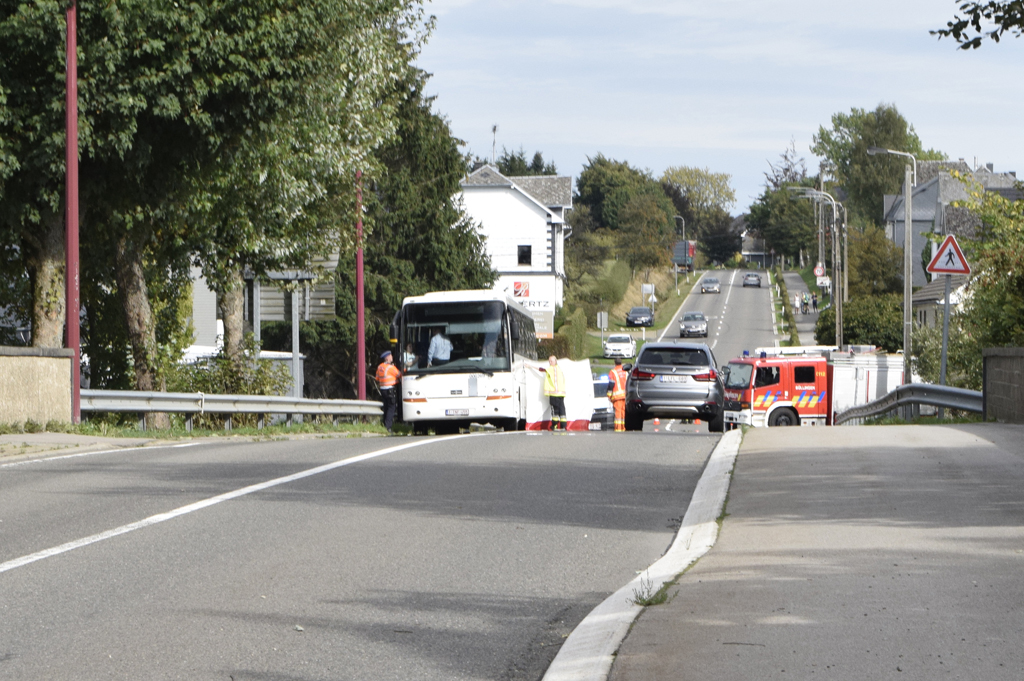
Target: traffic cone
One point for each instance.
(657, 421)
(697, 421)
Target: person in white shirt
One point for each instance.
(440, 350)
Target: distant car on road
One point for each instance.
(620, 345)
(710, 285)
(675, 380)
(693, 324)
(751, 279)
(640, 316)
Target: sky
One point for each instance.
(718, 84)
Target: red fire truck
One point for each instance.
(804, 386)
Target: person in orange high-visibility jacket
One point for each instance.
(388, 376)
(617, 394)
(554, 388)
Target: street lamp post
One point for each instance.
(839, 294)
(909, 181)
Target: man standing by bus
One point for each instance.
(554, 388)
(617, 394)
(388, 376)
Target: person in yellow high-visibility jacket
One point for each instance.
(554, 388)
(617, 394)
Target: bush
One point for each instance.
(575, 333)
(867, 320)
(225, 375)
(557, 346)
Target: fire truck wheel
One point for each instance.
(784, 417)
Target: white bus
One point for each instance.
(483, 380)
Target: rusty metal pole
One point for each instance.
(360, 311)
(71, 273)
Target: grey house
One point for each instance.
(936, 189)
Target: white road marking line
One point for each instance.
(102, 451)
(206, 503)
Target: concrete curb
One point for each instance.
(588, 653)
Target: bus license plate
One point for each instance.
(456, 412)
(673, 379)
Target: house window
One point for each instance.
(526, 255)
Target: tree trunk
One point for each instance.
(131, 286)
(45, 250)
(232, 303)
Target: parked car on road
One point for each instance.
(752, 279)
(603, 417)
(620, 345)
(693, 324)
(640, 316)
(710, 285)
(675, 380)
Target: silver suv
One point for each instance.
(675, 380)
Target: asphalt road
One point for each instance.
(738, 319)
(452, 558)
(457, 558)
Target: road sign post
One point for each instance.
(948, 260)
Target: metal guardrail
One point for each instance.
(199, 403)
(915, 394)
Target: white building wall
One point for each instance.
(508, 219)
(204, 310)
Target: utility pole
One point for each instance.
(71, 271)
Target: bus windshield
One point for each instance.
(455, 337)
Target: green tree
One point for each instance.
(708, 193)
(718, 241)
(876, 263)
(999, 16)
(995, 307)
(418, 241)
(169, 94)
(645, 234)
(867, 179)
(867, 320)
(605, 186)
(784, 221)
(514, 164)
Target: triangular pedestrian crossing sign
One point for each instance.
(949, 259)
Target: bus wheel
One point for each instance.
(784, 417)
(510, 425)
(420, 428)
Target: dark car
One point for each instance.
(640, 316)
(751, 279)
(675, 380)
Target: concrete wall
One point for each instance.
(35, 383)
(1004, 384)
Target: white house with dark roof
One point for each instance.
(523, 222)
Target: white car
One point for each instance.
(620, 345)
